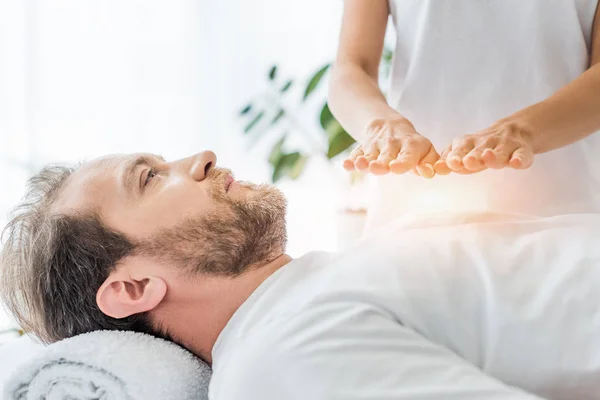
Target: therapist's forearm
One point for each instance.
(569, 115)
(356, 100)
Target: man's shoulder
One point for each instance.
(302, 351)
(251, 366)
(288, 339)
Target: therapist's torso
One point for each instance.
(461, 65)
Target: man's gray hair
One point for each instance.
(52, 264)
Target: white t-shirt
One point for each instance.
(461, 65)
(494, 310)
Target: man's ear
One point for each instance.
(126, 292)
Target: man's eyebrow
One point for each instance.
(130, 179)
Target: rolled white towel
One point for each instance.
(111, 365)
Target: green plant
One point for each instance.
(272, 112)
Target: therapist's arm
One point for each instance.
(571, 114)
(376, 359)
(388, 141)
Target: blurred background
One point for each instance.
(246, 79)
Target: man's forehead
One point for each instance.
(99, 169)
(93, 181)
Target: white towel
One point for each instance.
(111, 365)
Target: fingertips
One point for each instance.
(350, 162)
(426, 170)
(349, 165)
(489, 158)
(497, 158)
(460, 148)
(441, 168)
(400, 166)
(516, 163)
(521, 159)
(362, 162)
(425, 166)
(381, 166)
(403, 163)
(378, 167)
(473, 162)
(454, 162)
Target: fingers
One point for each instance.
(425, 166)
(397, 154)
(443, 167)
(460, 148)
(474, 160)
(381, 165)
(521, 158)
(497, 158)
(389, 153)
(410, 154)
(440, 166)
(351, 160)
(402, 155)
(363, 161)
(508, 156)
(497, 147)
(405, 162)
(493, 159)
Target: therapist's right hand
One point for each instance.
(393, 145)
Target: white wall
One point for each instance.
(82, 78)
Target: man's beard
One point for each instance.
(244, 233)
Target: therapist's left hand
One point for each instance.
(503, 145)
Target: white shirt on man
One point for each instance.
(482, 310)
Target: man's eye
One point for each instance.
(151, 174)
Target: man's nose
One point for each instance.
(201, 164)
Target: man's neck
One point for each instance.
(198, 310)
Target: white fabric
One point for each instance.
(486, 310)
(460, 66)
(15, 353)
(110, 365)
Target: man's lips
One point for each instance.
(228, 182)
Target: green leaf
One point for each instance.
(315, 80)
(246, 109)
(290, 165)
(326, 117)
(254, 121)
(333, 129)
(277, 172)
(279, 169)
(277, 117)
(276, 152)
(296, 170)
(286, 86)
(338, 143)
(273, 72)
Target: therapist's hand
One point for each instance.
(503, 145)
(393, 145)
